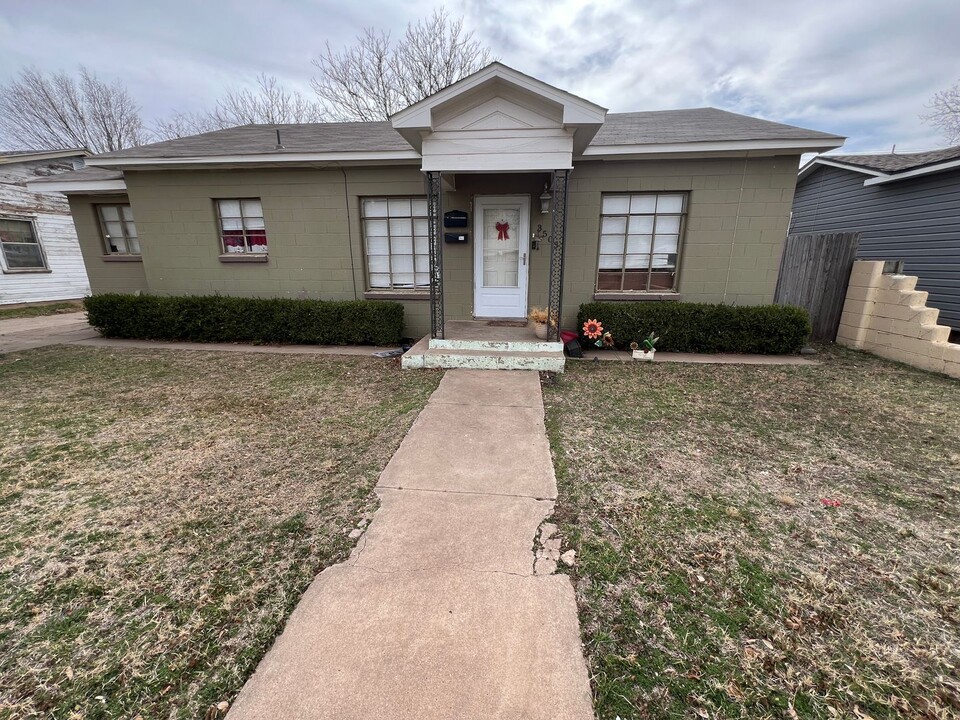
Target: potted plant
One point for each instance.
(539, 317)
(646, 349)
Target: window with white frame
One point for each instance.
(395, 232)
(640, 241)
(242, 229)
(20, 246)
(118, 230)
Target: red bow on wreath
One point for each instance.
(502, 228)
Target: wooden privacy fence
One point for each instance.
(814, 273)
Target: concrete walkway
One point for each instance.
(438, 613)
(20, 334)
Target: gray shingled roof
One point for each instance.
(898, 162)
(695, 125)
(257, 139)
(638, 128)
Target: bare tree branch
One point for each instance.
(269, 104)
(39, 112)
(181, 124)
(944, 112)
(375, 78)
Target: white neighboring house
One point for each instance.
(40, 257)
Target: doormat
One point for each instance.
(506, 323)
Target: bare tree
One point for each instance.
(945, 112)
(269, 104)
(41, 111)
(375, 78)
(181, 124)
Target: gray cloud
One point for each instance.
(855, 67)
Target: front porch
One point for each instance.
(497, 149)
(485, 345)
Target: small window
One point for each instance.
(640, 242)
(242, 229)
(118, 230)
(21, 246)
(395, 232)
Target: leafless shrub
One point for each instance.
(49, 111)
(375, 77)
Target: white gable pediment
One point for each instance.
(498, 107)
(499, 119)
(495, 120)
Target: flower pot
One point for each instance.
(644, 355)
(540, 330)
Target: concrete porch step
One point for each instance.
(422, 355)
(494, 360)
(500, 345)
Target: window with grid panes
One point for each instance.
(118, 230)
(640, 241)
(242, 229)
(20, 246)
(395, 232)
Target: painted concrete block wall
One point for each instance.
(736, 224)
(66, 277)
(105, 276)
(313, 226)
(886, 315)
(735, 228)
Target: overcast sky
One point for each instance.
(860, 69)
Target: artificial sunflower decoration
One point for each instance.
(592, 329)
(607, 340)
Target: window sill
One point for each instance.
(26, 271)
(122, 258)
(638, 296)
(396, 295)
(243, 258)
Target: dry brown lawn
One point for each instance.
(161, 513)
(764, 542)
(7, 313)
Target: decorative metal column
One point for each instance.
(435, 223)
(558, 241)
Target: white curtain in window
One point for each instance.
(229, 208)
(616, 204)
(251, 208)
(374, 208)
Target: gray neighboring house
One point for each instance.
(906, 207)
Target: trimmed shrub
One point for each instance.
(702, 328)
(217, 318)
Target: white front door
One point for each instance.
(501, 256)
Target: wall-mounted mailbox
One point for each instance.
(455, 237)
(455, 219)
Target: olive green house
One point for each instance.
(494, 195)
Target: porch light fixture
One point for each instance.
(545, 201)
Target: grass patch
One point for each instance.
(711, 578)
(40, 310)
(162, 512)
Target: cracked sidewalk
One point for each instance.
(438, 613)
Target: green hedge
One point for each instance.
(702, 328)
(215, 318)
